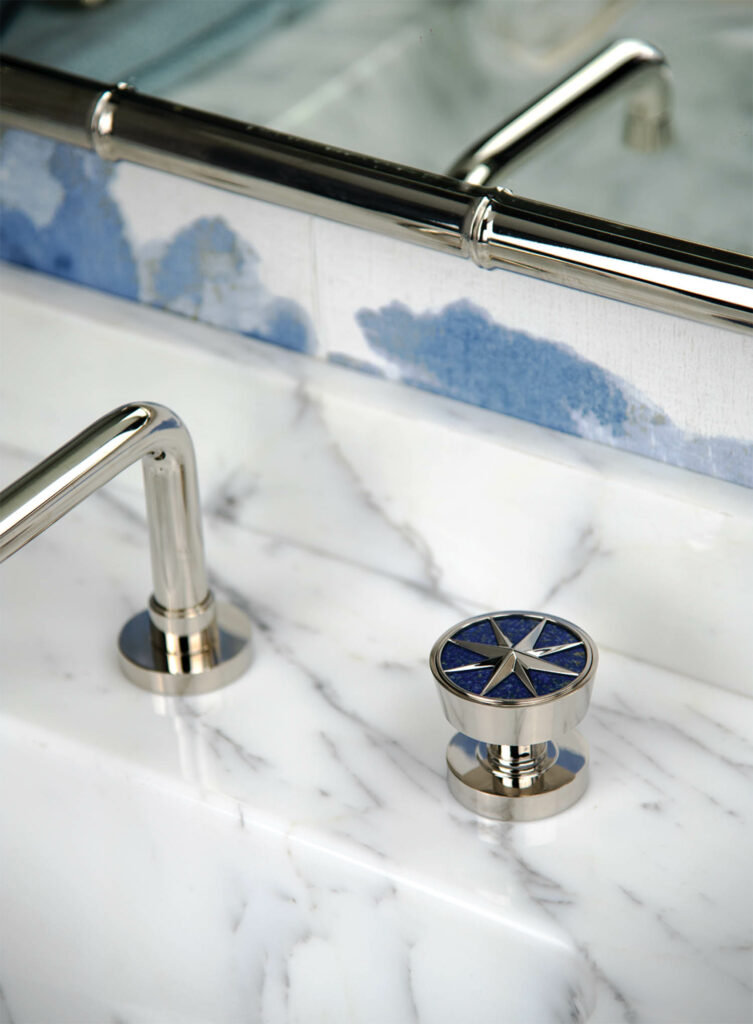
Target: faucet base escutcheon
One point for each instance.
(186, 664)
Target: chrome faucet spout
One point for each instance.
(136, 431)
(177, 647)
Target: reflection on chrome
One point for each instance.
(626, 64)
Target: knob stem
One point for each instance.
(519, 767)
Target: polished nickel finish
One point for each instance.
(626, 64)
(491, 227)
(186, 664)
(509, 793)
(515, 684)
(185, 643)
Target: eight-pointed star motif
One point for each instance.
(514, 658)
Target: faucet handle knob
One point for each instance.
(515, 684)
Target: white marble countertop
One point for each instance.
(287, 849)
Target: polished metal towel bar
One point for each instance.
(491, 227)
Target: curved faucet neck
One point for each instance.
(131, 432)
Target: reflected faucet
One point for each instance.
(625, 64)
(186, 643)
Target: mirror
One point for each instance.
(418, 81)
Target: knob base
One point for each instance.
(517, 783)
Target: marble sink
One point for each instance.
(137, 902)
(287, 849)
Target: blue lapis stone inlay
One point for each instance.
(513, 657)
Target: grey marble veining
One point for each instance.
(287, 849)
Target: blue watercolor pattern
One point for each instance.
(461, 352)
(59, 217)
(209, 272)
(84, 239)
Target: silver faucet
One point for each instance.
(627, 63)
(186, 643)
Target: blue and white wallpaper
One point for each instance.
(460, 351)
(58, 216)
(380, 306)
